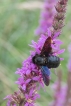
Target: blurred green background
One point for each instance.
(17, 27)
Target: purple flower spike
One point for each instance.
(69, 65)
(69, 48)
(30, 74)
(48, 45)
(61, 51)
(46, 17)
(69, 62)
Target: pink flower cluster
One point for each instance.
(46, 17)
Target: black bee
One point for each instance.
(46, 60)
(50, 61)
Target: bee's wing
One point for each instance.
(45, 74)
(45, 70)
(46, 47)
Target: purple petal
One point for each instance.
(42, 84)
(35, 78)
(57, 41)
(31, 104)
(20, 81)
(61, 51)
(43, 37)
(27, 104)
(24, 87)
(26, 96)
(38, 51)
(61, 59)
(34, 43)
(14, 105)
(31, 92)
(36, 96)
(27, 81)
(9, 103)
(28, 72)
(32, 53)
(18, 71)
(56, 35)
(54, 47)
(7, 97)
(49, 32)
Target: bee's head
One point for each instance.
(38, 60)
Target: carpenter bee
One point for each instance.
(46, 60)
(45, 63)
(51, 61)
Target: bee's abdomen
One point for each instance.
(53, 61)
